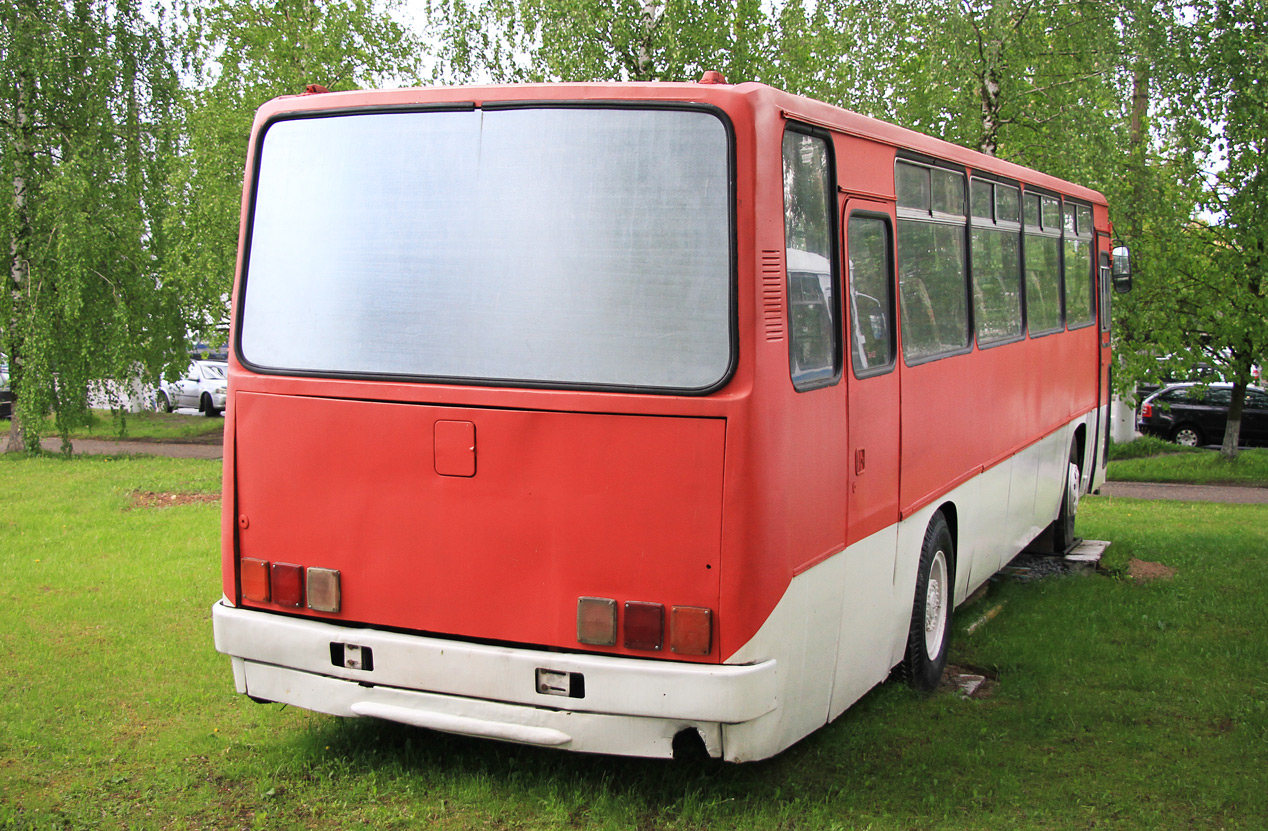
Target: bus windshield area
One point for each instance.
(581, 246)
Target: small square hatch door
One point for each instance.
(455, 448)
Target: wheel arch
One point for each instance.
(1078, 445)
(952, 517)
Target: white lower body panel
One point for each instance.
(629, 706)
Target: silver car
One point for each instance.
(203, 387)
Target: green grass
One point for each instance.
(1147, 446)
(1118, 706)
(109, 426)
(1196, 466)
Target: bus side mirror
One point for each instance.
(1122, 273)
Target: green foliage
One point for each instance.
(86, 95)
(242, 53)
(598, 40)
(1202, 285)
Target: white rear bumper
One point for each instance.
(627, 706)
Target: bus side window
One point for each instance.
(932, 277)
(1080, 301)
(1042, 244)
(809, 234)
(995, 255)
(871, 295)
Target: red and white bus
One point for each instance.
(626, 418)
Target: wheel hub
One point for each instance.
(936, 606)
(1072, 488)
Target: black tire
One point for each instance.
(206, 407)
(162, 403)
(1063, 528)
(1188, 435)
(930, 633)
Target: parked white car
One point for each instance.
(203, 387)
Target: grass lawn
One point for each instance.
(108, 426)
(1118, 706)
(1153, 460)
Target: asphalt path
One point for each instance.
(177, 450)
(1187, 493)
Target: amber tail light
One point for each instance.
(255, 579)
(690, 630)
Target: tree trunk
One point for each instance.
(990, 97)
(20, 245)
(1232, 430)
(650, 20)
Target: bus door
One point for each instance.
(872, 494)
(1104, 419)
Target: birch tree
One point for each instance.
(239, 54)
(86, 89)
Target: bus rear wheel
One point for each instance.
(1063, 527)
(930, 632)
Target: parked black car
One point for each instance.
(1194, 415)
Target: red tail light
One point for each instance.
(288, 584)
(644, 625)
(1146, 410)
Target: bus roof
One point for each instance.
(754, 96)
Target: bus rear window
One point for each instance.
(539, 246)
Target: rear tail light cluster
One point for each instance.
(287, 584)
(1146, 410)
(643, 626)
